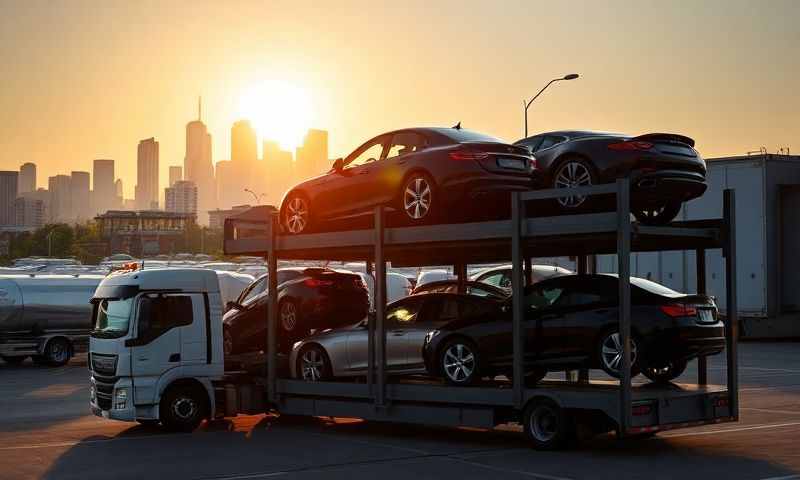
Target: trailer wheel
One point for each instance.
(183, 407)
(14, 360)
(57, 352)
(547, 425)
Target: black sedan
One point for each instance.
(572, 322)
(420, 173)
(470, 288)
(664, 168)
(308, 299)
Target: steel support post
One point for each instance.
(272, 310)
(517, 217)
(460, 271)
(582, 265)
(700, 267)
(624, 264)
(528, 270)
(380, 309)
(732, 323)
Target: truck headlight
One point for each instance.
(121, 398)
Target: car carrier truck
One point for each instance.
(156, 349)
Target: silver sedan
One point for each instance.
(343, 352)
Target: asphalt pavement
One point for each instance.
(46, 431)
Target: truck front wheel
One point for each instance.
(183, 407)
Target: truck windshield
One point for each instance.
(112, 317)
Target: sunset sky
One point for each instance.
(88, 79)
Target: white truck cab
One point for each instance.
(156, 346)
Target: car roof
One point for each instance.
(445, 132)
(578, 134)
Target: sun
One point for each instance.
(278, 110)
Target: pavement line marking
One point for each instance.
(542, 476)
(774, 387)
(787, 477)
(767, 410)
(732, 430)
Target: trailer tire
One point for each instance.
(547, 426)
(183, 407)
(57, 352)
(14, 360)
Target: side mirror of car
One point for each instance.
(338, 165)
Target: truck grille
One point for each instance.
(104, 389)
(105, 365)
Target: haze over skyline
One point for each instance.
(87, 80)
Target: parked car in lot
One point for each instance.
(422, 173)
(397, 287)
(343, 352)
(501, 276)
(572, 322)
(308, 299)
(664, 168)
(470, 288)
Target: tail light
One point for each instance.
(679, 310)
(639, 410)
(468, 155)
(316, 282)
(721, 402)
(631, 146)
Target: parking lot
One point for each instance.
(47, 432)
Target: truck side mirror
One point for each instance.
(231, 305)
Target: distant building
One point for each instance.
(175, 174)
(278, 171)
(41, 195)
(147, 191)
(311, 158)
(104, 194)
(118, 188)
(29, 212)
(181, 197)
(244, 148)
(79, 191)
(140, 233)
(9, 182)
(216, 218)
(227, 183)
(60, 199)
(198, 165)
(244, 165)
(27, 178)
(129, 204)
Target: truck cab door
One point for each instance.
(161, 322)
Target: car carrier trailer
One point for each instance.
(619, 406)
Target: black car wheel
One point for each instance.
(288, 314)
(183, 407)
(547, 425)
(610, 354)
(313, 364)
(417, 198)
(458, 362)
(665, 372)
(296, 214)
(657, 214)
(571, 173)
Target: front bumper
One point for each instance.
(126, 414)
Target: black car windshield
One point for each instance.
(461, 136)
(112, 317)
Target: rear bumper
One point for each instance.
(687, 342)
(676, 185)
(485, 197)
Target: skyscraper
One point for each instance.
(60, 198)
(146, 191)
(8, 193)
(104, 195)
(244, 164)
(198, 166)
(175, 174)
(181, 197)
(29, 212)
(226, 184)
(278, 171)
(79, 196)
(311, 158)
(27, 178)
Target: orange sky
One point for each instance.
(84, 80)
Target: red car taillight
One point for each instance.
(630, 146)
(468, 155)
(315, 282)
(679, 310)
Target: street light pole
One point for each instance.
(256, 197)
(571, 76)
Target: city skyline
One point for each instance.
(628, 82)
